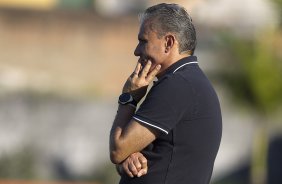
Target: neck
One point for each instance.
(170, 61)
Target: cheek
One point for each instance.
(156, 49)
(153, 51)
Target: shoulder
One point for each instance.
(172, 83)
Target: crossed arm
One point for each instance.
(127, 135)
(127, 142)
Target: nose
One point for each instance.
(137, 51)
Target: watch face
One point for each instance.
(125, 98)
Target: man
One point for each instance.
(174, 136)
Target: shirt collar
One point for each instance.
(179, 64)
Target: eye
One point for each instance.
(142, 41)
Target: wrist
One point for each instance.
(127, 99)
(139, 94)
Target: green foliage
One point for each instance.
(20, 165)
(256, 79)
(278, 4)
(266, 75)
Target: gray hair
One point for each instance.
(173, 18)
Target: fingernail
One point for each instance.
(158, 66)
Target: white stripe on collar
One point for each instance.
(184, 65)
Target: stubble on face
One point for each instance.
(151, 48)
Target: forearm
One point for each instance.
(123, 117)
(126, 138)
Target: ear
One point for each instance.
(169, 42)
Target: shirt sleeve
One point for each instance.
(166, 104)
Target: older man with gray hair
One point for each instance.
(174, 136)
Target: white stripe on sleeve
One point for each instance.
(151, 125)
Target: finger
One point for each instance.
(142, 172)
(153, 73)
(137, 68)
(127, 171)
(137, 163)
(143, 162)
(146, 69)
(133, 169)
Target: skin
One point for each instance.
(128, 137)
(134, 165)
(159, 50)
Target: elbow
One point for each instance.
(116, 157)
(118, 151)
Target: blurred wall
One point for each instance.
(66, 52)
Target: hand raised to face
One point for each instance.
(139, 80)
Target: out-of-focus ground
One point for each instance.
(61, 71)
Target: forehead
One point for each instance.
(146, 30)
(143, 30)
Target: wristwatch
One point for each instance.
(127, 99)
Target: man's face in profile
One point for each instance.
(150, 46)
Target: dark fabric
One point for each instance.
(184, 108)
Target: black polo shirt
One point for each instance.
(183, 106)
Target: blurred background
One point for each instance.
(63, 63)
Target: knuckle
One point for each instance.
(144, 161)
(146, 70)
(134, 171)
(138, 85)
(139, 167)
